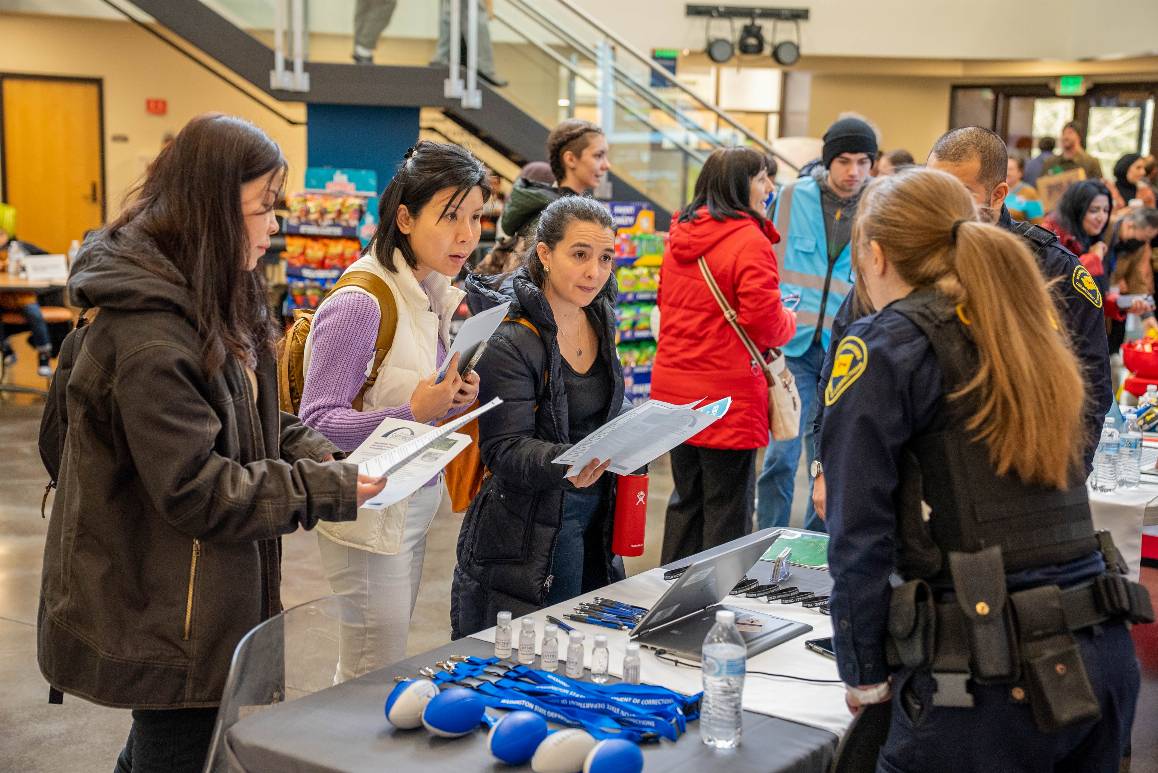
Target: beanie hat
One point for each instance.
(848, 135)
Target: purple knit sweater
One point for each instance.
(344, 333)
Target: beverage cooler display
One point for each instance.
(327, 226)
(639, 251)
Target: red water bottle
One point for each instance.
(630, 515)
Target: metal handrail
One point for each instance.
(623, 44)
(645, 91)
(578, 73)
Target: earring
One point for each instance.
(546, 268)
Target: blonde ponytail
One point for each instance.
(1027, 393)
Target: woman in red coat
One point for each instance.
(700, 356)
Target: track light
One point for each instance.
(720, 50)
(786, 52)
(752, 38)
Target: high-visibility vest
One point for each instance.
(802, 258)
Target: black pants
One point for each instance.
(167, 741)
(713, 501)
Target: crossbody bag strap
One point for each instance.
(730, 316)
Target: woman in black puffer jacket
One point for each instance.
(533, 537)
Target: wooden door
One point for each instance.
(52, 161)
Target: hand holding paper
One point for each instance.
(472, 339)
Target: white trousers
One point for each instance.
(381, 590)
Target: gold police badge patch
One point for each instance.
(1084, 283)
(848, 365)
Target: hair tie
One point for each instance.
(410, 152)
(953, 230)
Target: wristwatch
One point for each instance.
(816, 469)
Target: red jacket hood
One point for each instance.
(690, 240)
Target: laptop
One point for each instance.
(684, 614)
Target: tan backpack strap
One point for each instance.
(387, 322)
(284, 398)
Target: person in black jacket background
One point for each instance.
(533, 537)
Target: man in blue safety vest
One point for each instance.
(814, 217)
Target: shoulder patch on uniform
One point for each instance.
(1084, 283)
(848, 364)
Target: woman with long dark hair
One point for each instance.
(700, 355)
(1080, 222)
(430, 223)
(533, 536)
(175, 472)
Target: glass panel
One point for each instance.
(755, 89)
(1019, 125)
(1113, 132)
(1050, 115)
(972, 107)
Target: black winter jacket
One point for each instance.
(507, 541)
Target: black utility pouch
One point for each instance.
(979, 582)
(1059, 689)
(912, 624)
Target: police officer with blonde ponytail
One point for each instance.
(952, 440)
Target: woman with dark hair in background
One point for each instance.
(1130, 182)
(533, 536)
(701, 356)
(1080, 221)
(577, 155)
(176, 473)
(430, 223)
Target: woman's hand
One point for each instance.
(430, 401)
(468, 392)
(1099, 249)
(856, 698)
(368, 488)
(589, 474)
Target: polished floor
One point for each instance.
(36, 737)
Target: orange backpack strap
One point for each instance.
(387, 321)
(529, 325)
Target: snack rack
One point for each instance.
(638, 253)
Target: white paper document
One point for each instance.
(472, 337)
(394, 433)
(642, 435)
(391, 460)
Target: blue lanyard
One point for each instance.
(598, 725)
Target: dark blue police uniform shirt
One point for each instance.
(885, 388)
(875, 403)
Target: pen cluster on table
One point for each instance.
(754, 589)
(608, 613)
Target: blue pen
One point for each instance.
(620, 604)
(618, 614)
(562, 626)
(596, 621)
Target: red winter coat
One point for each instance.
(699, 355)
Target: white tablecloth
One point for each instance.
(1124, 513)
(819, 705)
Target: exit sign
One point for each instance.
(1071, 86)
(156, 106)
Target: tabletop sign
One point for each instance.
(45, 268)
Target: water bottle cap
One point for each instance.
(600, 640)
(550, 629)
(576, 636)
(633, 648)
(725, 617)
(504, 618)
(528, 623)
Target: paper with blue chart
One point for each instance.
(642, 435)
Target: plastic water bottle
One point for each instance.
(503, 636)
(725, 658)
(600, 660)
(549, 659)
(527, 642)
(1130, 452)
(575, 655)
(631, 664)
(1105, 477)
(15, 258)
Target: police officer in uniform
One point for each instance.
(978, 159)
(1001, 639)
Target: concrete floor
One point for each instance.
(36, 737)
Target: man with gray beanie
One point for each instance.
(814, 217)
